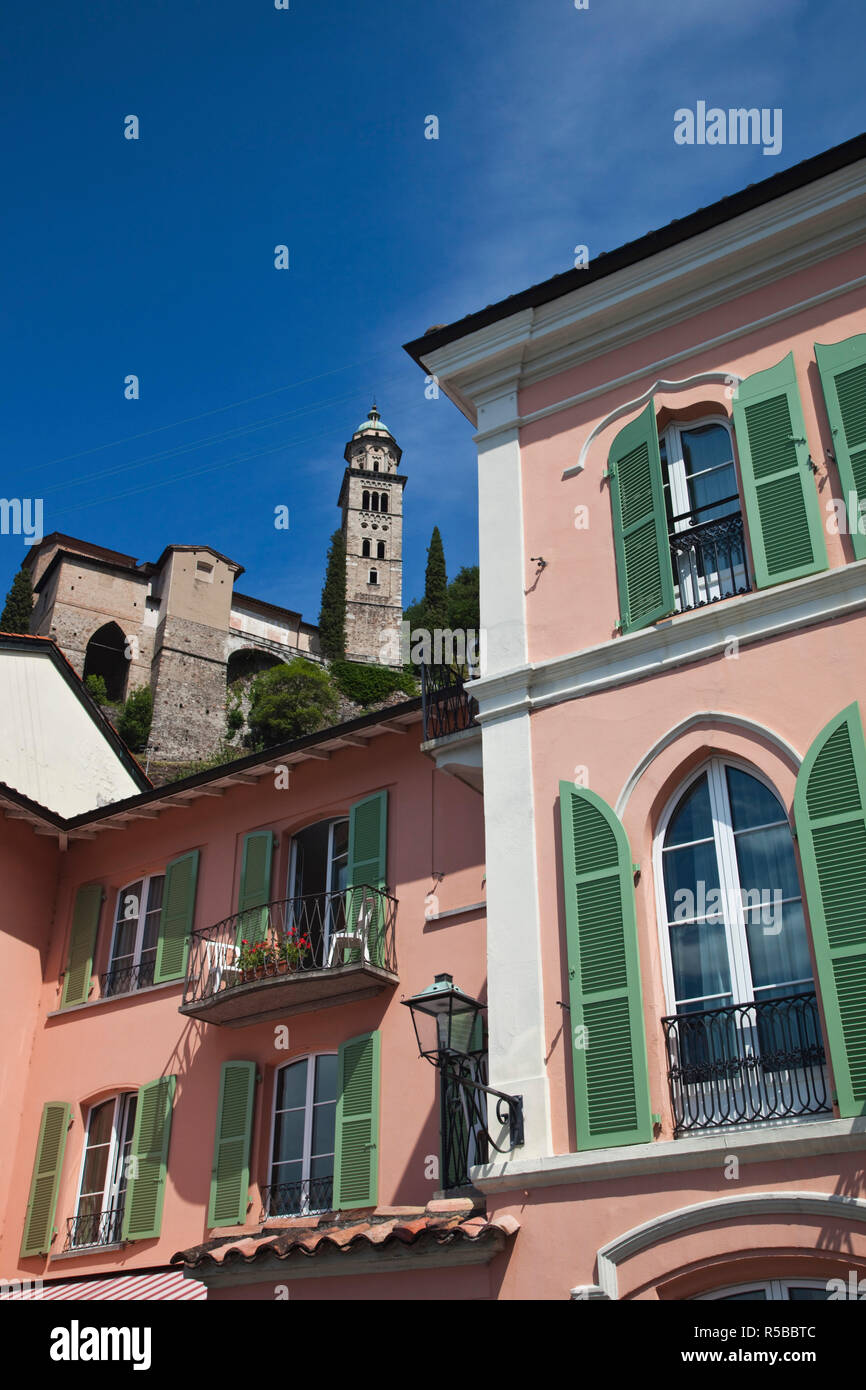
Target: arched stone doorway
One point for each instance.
(106, 657)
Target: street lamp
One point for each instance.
(447, 1027)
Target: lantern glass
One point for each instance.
(444, 1018)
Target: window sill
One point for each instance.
(779, 1143)
(82, 1250)
(115, 998)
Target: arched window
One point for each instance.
(365, 501)
(744, 1042)
(380, 550)
(106, 657)
(374, 501)
(792, 1290)
(365, 548)
(383, 502)
(102, 1187)
(317, 884)
(703, 511)
(136, 936)
(302, 1152)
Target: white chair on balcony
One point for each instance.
(354, 938)
(222, 958)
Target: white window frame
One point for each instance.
(328, 924)
(309, 1105)
(680, 501)
(742, 989)
(113, 1169)
(146, 880)
(776, 1289)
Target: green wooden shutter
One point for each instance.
(44, 1184)
(830, 811)
(611, 1082)
(255, 888)
(356, 1161)
(176, 918)
(843, 379)
(640, 530)
(230, 1175)
(782, 505)
(367, 868)
(145, 1191)
(82, 943)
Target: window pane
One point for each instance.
(708, 460)
(751, 802)
(322, 1167)
(324, 1117)
(289, 1136)
(292, 1086)
(709, 488)
(128, 908)
(692, 820)
(765, 859)
(694, 871)
(326, 1078)
(806, 1295)
(700, 960)
(778, 948)
(154, 912)
(751, 1296)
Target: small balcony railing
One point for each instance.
(709, 559)
(297, 1198)
(292, 954)
(445, 706)
(744, 1063)
(126, 979)
(89, 1230)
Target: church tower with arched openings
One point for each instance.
(371, 500)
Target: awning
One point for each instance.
(162, 1285)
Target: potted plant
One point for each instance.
(293, 948)
(252, 959)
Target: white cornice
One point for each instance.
(762, 1144)
(674, 642)
(775, 239)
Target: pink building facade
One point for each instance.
(207, 1048)
(671, 445)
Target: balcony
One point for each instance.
(746, 1063)
(307, 1197)
(91, 1230)
(452, 736)
(709, 559)
(291, 956)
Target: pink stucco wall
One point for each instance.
(575, 604)
(81, 1056)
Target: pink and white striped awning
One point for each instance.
(168, 1284)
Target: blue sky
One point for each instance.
(305, 127)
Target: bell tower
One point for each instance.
(371, 500)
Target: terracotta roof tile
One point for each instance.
(442, 1223)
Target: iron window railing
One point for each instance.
(743, 1063)
(94, 1228)
(303, 1198)
(127, 979)
(445, 706)
(290, 936)
(463, 1119)
(709, 559)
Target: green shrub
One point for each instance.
(95, 686)
(288, 702)
(368, 684)
(135, 719)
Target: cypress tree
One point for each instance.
(436, 585)
(332, 618)
(19, 604)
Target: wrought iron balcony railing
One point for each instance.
(126, 979)
(709, 559)
(445, 706)
(292, 938)
(743, 1063)
(298, 1198)
(90, 1229)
